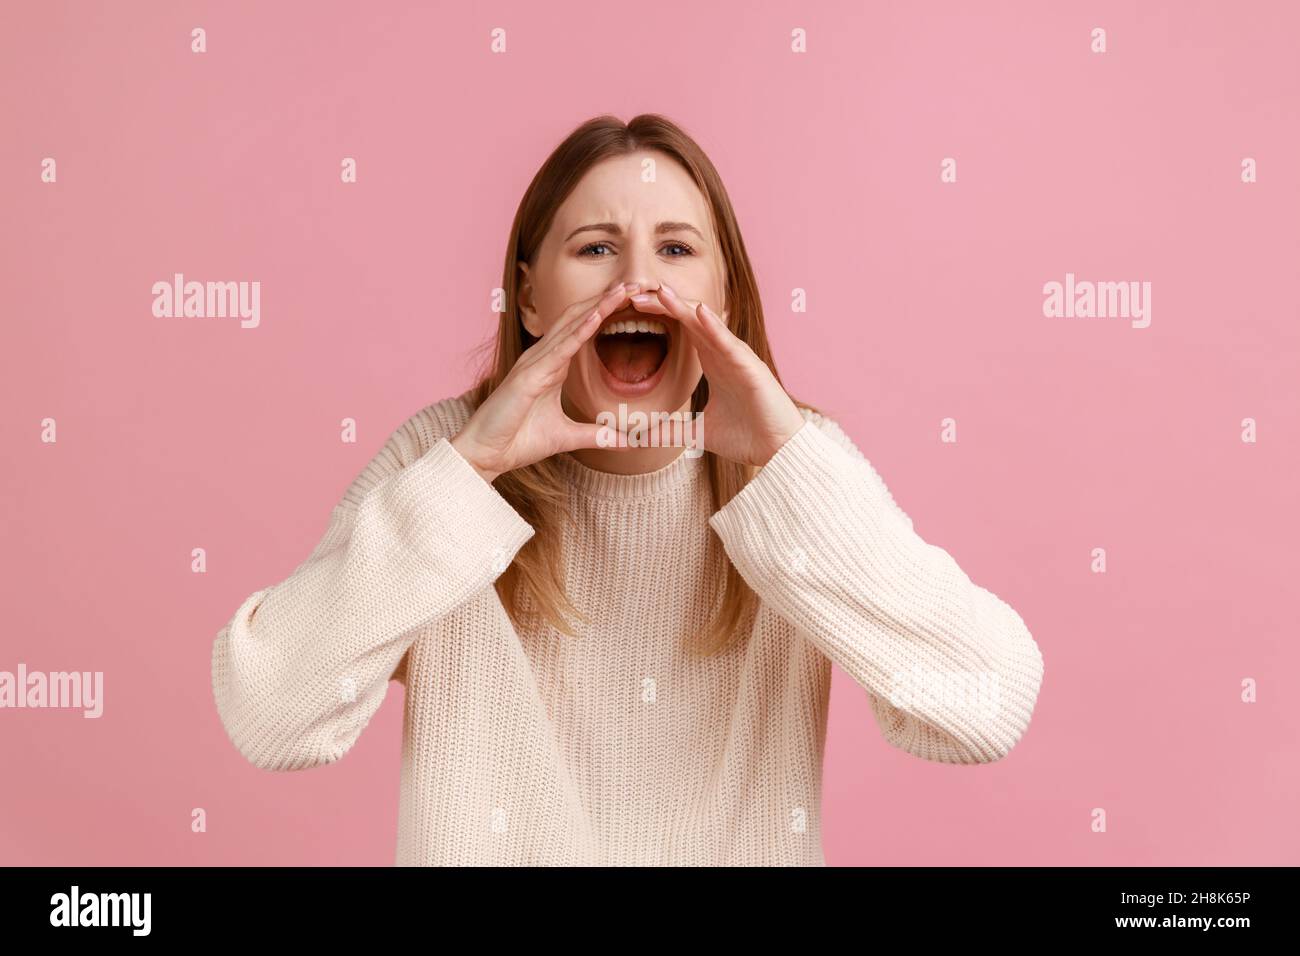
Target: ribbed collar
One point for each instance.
(648, 484)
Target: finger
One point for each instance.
(649, 302)
(564, 350)
(581, 311)
(684, 431)
(591, 435)
(615, 296)
(593, 310)
(711, 325)
(653, 303)
(713, 328)
(561, 352)
(703, 333)
(677, 430)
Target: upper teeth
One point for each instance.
(635, 325)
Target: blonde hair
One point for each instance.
(539, 491)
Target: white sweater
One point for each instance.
(616, 747)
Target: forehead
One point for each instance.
(619, 189)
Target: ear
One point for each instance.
(527, 308)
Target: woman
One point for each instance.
(618, 651)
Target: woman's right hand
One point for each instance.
(522, 421)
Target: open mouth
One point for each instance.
(632, 347)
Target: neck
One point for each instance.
(627, 461)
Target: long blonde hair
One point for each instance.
(539, 492)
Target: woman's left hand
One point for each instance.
(748, 416)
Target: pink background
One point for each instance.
(925, 302)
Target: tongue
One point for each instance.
(631, 358)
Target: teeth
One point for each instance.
(635, 325)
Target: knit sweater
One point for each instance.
(617, 747)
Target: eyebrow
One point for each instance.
(616, 229)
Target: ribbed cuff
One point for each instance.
(444, 510)
(815, 534)
(791, 494)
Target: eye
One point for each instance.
(589, 249)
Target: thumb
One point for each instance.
(591, 435)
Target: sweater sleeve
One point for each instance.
(304, 664)
(951, 672)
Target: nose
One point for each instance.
(639, 267)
